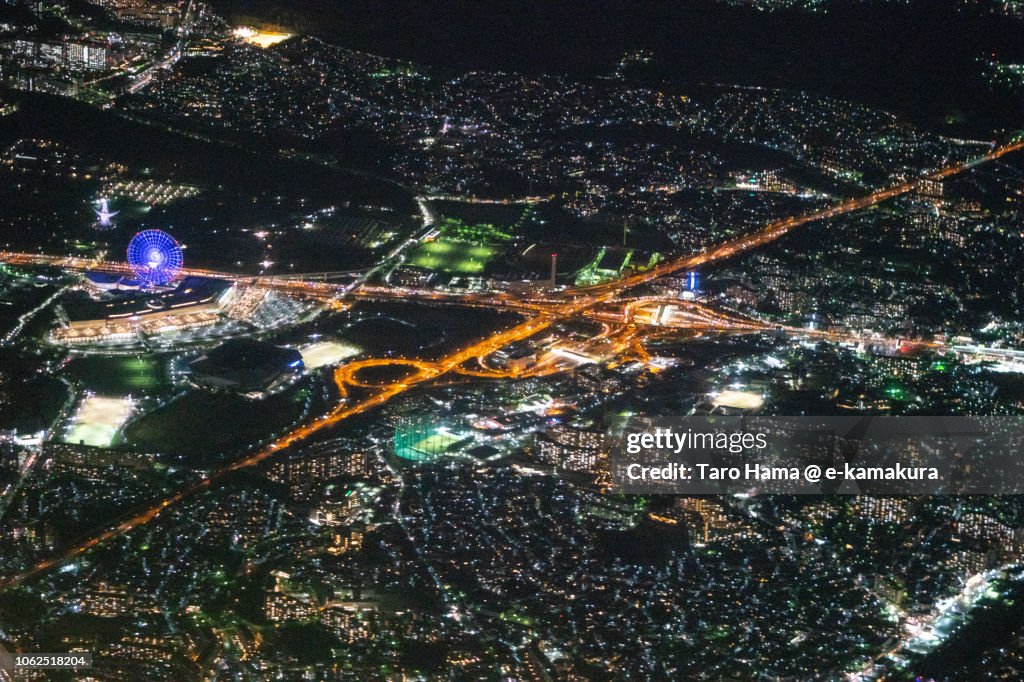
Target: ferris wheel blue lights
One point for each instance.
(155, 257)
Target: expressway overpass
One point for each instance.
(575, 302)
(769, 233)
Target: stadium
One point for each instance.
(245, 366)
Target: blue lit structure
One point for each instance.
(104, 215)
(691, 281)
(155, 257)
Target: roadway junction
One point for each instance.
(626, 323)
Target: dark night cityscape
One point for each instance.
(322, 324)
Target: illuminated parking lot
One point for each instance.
(97, 420)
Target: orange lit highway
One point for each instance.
(779, 228)
(723, 251)
(622, 339)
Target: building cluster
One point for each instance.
(95, 51)
(480, 559)
(155, 14)
(883, 276)
(71, 54)
(467, 529)
(461, 136)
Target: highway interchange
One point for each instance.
(620, 336)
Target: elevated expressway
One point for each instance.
(575, 302)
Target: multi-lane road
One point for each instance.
(777, 229)
(571, 303)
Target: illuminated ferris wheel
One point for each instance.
(155, 257)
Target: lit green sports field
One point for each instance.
(427, 446)
(436, 442)
(118, 375)
(455, 257)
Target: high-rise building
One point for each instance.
(72, 55)
(883, 509)
(712, 521)
(95, 463)
(307, 470)
(571, 449)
